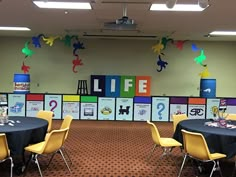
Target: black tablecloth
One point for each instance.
(22, 131)
(218, 139)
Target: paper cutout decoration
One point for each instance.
(67, 39)
(200, 58)
(36, 40)
(195, 48)
(25, 68)
(50, 40)
(162, 64)
(76, 62)
(205, 73)
(76, 46)
(165, 40)
(27, 51)
(180, 44)
(158, 47)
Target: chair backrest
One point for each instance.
(177, 118)
(155, 133)
(231, 117)
(4, 150)
(54, 141)
(47, 115)
(66, 123)
(195, 145)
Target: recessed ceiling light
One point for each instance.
(177, 7)
(7, 28)
(62, 5)
(223, 33)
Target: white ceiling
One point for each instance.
(221, 15)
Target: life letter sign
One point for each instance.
(120, 86)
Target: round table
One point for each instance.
(222, 140)
(22, 131)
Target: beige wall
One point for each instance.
(51, 67)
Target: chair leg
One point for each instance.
(213, 168)
(198, 169)
(51, 159)
(182, 166)
(27, 164)
(174, 160)
(12, 164)
(166, 151)
(218, 167)
(66, 153)
(64, 160)
(149, 156)
(37, 162)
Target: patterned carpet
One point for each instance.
(115, 149)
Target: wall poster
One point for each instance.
(16, 105)
(71, 106)
(196, 108)
(160, 109)
(53, 103)
(32, 108)
(124, 109)
(106, 108)
(212, 107)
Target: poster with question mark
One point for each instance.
(53, 103)
(160, 109)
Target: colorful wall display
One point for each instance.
(88, 108)
(142, 108)
(34, 103)
(71, 106)
(212, 106)
(112, 86)
(120, 86)
(143, 86)
(160, 109)
(97, 85)
(16, 105)
(138, 108)
(127, 86)
(106, 108)
(231, 106)
(53, 103)
(178, 105)
(196, 108)
(124, 109)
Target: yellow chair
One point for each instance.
(46, 115)
(52, 144)
(177, 118)
(167, 144)
(231, 117)
(195, 147)
(65, 124)
(4, 151)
